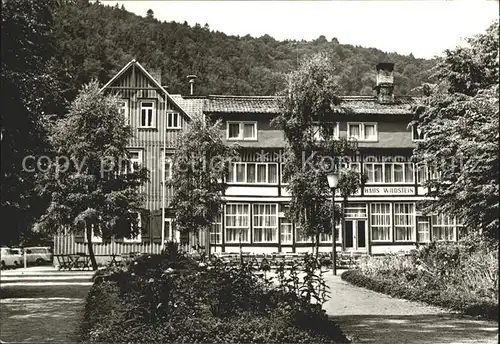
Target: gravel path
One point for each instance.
(366, 316)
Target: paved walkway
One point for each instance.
(42, 304)
(366, 316)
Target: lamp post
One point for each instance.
(333, 179)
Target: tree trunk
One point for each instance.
(88, 230)
(207, 243)
(317, 245)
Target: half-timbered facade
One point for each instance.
(382, 217)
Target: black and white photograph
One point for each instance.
(249, 171)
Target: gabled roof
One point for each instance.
(241, 104)
(153, 80)
(269, 105)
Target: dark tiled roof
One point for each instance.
(241, 104)
(369, 105)
(193, 106)
(269, 105)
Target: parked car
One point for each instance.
(38, 255)
(10, 258)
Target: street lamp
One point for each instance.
(333, 179)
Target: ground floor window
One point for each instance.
(216, 230)
(286, 228)
(444, 228)
(237, 223)
(265, 222)
(137, 223)
(423, 228)
(404, 221)
(380, 221)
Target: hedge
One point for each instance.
(465, 304)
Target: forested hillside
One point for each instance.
(94, 40)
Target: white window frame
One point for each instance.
(414, 131)
(169, 228)
(123, 109)
(453, 224)
(421, 169)
(167, 158)
(137, 238)
(263, 228)
(362, 131)
(370, 172)
(284, 235)
(129, 167)
(389, 226)
(317, 131)
(245, 164)
(412, 225)
(426, 220)
(241, 131)
(226, 227)
(327, 238)
(153, 113)
(216, 230)
(170, 118)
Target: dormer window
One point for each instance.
(242, 131)
(417, 133)
(148, 114)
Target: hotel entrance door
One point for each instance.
(355, 235)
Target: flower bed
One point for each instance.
(461, 277)
(172, 299)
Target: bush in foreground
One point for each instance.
(458, 276)
(207, 303)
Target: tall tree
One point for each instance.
(199, 164)
(28, 91)
(307, 115)
(91, 184)
(459, 117)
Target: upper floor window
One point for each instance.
(331, 130)
(417, 133)
(242, 130)
(253, 173)
(123, 109)
(362, 131)
(389, 172)
(148, 114)
(173, 120)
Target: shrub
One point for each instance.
(195, 302)
(460, 276)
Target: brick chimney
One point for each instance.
(385, 83)
(191, 83)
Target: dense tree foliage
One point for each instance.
(28, 90)
(307, 113)
(90, 182)
(459, 117)
(200, 161)
(95, 41)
